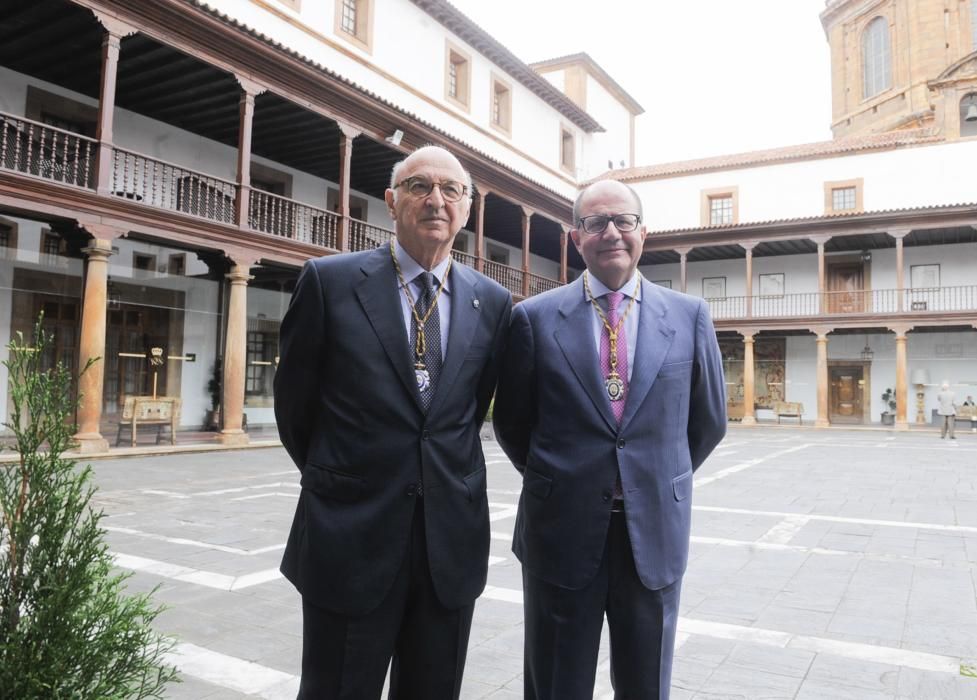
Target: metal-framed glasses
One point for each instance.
(418, 186)
(597, 224)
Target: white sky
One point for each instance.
(714, 76)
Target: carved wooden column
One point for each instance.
(898, 235)
(480, 230)
(115, 31)
(822, 378)
(822, 281)
(345, 166)
(564, 237)
(235, 358)
(749, 380)
(249, 90)
(527, 216)
(92, 342)
(683, 268)
(902, 378)
(748, 246)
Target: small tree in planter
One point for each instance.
(889, 415)
(67, 630)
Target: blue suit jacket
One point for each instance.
(554, 421)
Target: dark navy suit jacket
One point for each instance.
(350, 416)
(554, 421)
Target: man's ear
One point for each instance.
(575, 236)
(388, 197)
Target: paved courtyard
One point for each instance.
(825, 564)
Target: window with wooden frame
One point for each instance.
(51, 243)
(501, 105)
(457, 78)
(568, 150)
(354, 22)
(843, 196)
(177, 265)
(8, 238)
(143, 263)
(719, 206)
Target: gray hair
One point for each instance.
(399, 165)
(585, 190)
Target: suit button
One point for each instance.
(620, 444)
(606, 496)
(411, 490)
(425, 435)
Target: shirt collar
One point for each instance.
(599, 289)
(411, 268)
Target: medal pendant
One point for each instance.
(423, 378)
(615, 387)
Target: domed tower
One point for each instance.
(901, 64)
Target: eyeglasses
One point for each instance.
(597, 224)
(419, 186)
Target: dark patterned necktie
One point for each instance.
(432, 335)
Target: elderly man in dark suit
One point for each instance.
(611, 396)
(388, 362)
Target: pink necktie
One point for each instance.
(613, 301)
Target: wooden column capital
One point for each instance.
(103, 232)
(113, 25)
(348, 130)
(527, 212)
(899, 233)
(249, 88)
(820, 240)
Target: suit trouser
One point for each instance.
(346, 657)
(563, 629)
(949, 423)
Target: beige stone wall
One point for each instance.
(926, 37)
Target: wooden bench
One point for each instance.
(789, 409)
(161, 412)
(967, 413)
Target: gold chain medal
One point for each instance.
(421, 374)
(613, 384)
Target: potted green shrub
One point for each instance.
(889, 414)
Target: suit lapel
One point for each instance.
(464, 321)
(654, 338)
(575, 336)
(377, 293)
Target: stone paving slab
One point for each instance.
(824, 564)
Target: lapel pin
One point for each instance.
(474, 303)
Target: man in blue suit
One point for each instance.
(611, 396)
(388, 362)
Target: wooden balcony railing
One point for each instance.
(508, 277)
(464, 258)
(290, 219)
(33, 148)
(364, 236)
(539, 284)
(169, 186)
(867, 301)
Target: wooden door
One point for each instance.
(845, 394)
(846, 285)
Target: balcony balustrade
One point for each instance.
(285, 217)
(464, 258)
(866, 301)
(508, 277)
(32, 148)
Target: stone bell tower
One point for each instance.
(903, 64)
